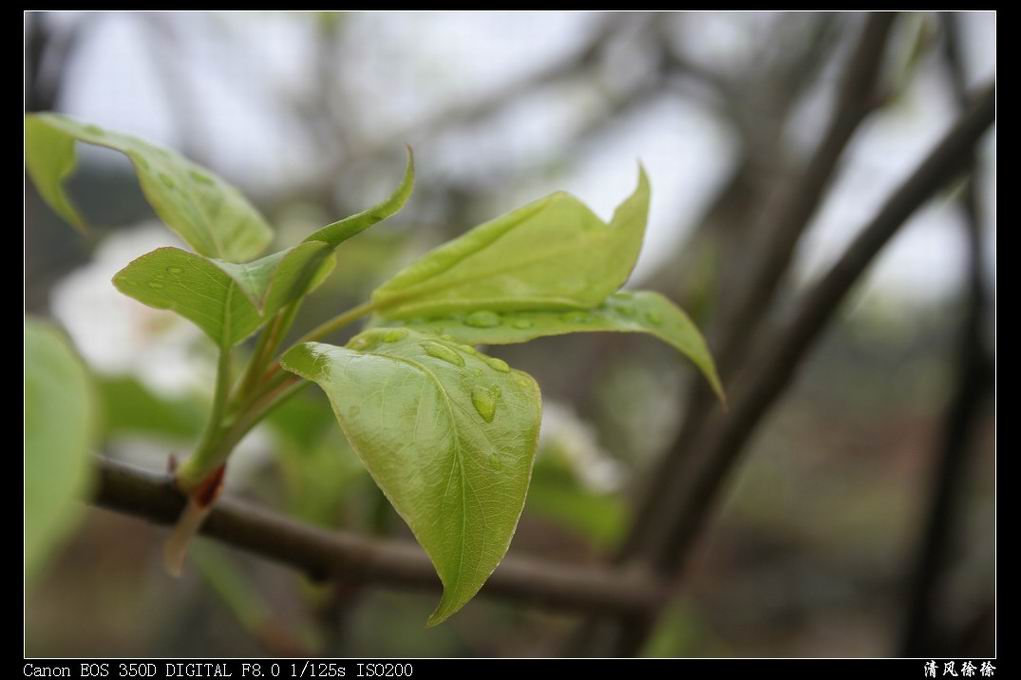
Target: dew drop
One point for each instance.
(624, 310)
(361, 343)
(484, 400)
(200, 177)
(174, 270)
(155, 284)
(395, 335)
(443, 353)
(654, 317)
(577, 317)
(482, 319)
(496, 364)
(522, 323)
(167, 180)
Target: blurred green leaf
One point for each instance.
(59, 428)
(556, 494)
(247, 601)
(551, 254)
(302, 421)
(209, 214)
(447, 433)
(634, 312)
(129, 407)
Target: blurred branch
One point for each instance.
(358, 560)
(47, 54)
(779, 234)
(776, 369)
(165, 50)
(691, 504)
(974, 374)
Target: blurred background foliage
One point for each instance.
(307, 113)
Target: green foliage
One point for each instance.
(128, 407)
(227, 301)
(557, 494)
(448, 434)
(210, 215)
(59, 427)
(553, 254)
(638, 312)
(231, 301)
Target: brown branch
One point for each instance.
(356, 560)
(919, 632)
(692, 505)
(783, 227)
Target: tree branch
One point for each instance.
(691, 505)
(974, 372)
(354, 559)
(779, 235)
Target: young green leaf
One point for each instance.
(59, 426)
(448, 434)
(227, 301)
(209, 214)
(551, 254)
(634, 312)
(230, 301)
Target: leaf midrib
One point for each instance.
(457, 452)
(546, 254)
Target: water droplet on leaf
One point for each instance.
(484, 399)
(174, 270)
(200, 177)
(522, 323)
(496, 364)
(395, 335)
(577, 317)
(155, 284)
(482, 319)
(442, 352)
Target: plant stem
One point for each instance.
(263, 349)
(336, 323)
(254, 399)
(208, 454)
(322, 330)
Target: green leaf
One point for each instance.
(558, 495)
(59, 427)
(209, 214)
(129, 407)
(230, 301)
(342, 230)
(227, 301)
(448, 434)
(633, 312)
(554, 253)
